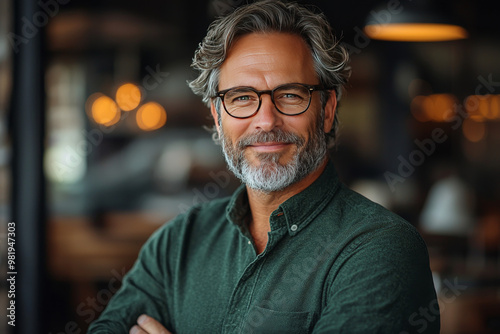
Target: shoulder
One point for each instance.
(195, 221)
(368, 228)
(382, 265)
(200, 212)
(354, 203)
(364, 212)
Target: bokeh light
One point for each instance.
(494, 111)
(104, 110)
(63, 164)
(417, 110)
(435, 107)
(483, 107)
(151, 116)
(473, 131)
(128, 96)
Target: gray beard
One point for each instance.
(271, 176)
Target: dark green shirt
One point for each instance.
(335, 262)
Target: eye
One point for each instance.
(291, 96)
(241, 96)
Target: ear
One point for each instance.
(215, 116)
(330, 108)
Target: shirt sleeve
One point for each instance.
(384, 285)
(143, 290)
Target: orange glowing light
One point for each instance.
(105, 111)
(483, 107)
(128, 96)
(415, 32)
(151, 116)
(435, 107)
(473, 131)
(494, 106)
(417, 109)
(473, 106)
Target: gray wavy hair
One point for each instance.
(331, 59)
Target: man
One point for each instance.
(293, 250)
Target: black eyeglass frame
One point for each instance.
(310, 88)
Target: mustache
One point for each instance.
(278, 136)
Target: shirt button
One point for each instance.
(293, 227)
(249, 242)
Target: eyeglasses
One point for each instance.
(289, 99)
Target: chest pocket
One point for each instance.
(264, 321)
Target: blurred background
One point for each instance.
(102, 141)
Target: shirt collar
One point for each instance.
(237, 209)
(297, 211)
(301, 209)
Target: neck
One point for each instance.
(263, 204)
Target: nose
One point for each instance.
(267, 118)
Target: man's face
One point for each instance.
(270, 151)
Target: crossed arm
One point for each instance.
(384, 286)
(147, 325)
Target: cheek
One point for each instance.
(233, 129)
(306, 125)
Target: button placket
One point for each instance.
(242, 295)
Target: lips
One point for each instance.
(269, 146)
(270, 143)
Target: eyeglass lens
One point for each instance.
(288, 99)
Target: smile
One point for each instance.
(269, 146)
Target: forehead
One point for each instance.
(266, 60)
